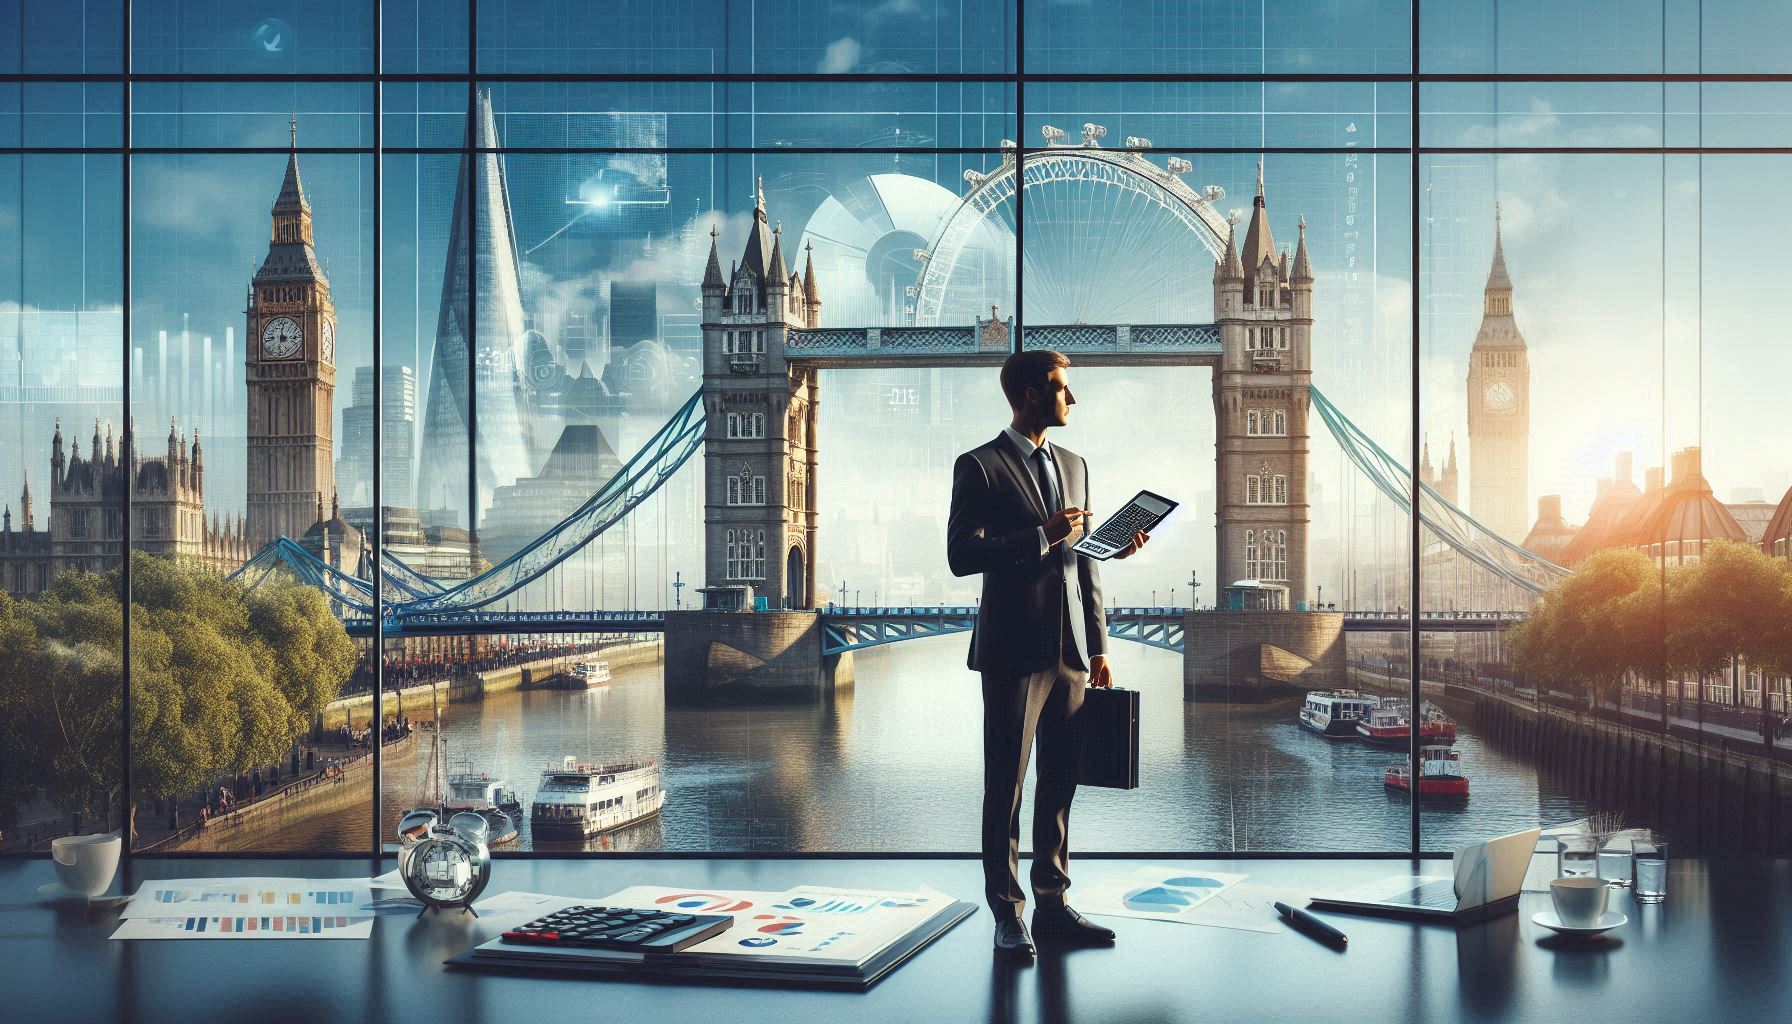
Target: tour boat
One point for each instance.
(1388, 727)
(586, 799)
(1440, 774)
(1334, 713)
(591, 674)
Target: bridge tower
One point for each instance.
(1263, 304)
(759, 447)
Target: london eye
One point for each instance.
(1111, 237)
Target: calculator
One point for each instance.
(1143, 512)
(620, 928)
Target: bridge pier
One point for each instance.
(1245, 657)
(715, 657)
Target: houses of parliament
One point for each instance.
(291, 373)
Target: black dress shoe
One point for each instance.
(1062, 924)
(1011, 938)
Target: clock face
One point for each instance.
(281, 338)
(327, 339)
(1499, 397)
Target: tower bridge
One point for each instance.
(756, 420)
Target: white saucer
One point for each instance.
(60, 892)
(1548, 919)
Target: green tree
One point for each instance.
(1594, 626)
(223, 679)
(1730, 607)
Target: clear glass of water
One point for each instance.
(1650, 867)
(1614, 861)
(1575, 858)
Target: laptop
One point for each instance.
(1485, 880)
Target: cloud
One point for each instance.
(841, 56)
(187, 196)
(673, 261)
(1543, 125)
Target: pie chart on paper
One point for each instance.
(1172, 895)
(1156, 899)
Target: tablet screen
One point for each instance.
(1143, 512)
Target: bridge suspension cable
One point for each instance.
(409, 591)
(639, 478)
(1525, 569)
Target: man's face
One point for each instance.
(1055, 401)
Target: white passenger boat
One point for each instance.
(585, 799)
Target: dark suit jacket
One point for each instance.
(993, 529)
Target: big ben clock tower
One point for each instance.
(291, 355)
(1499, 410)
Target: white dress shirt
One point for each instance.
(1025, 446)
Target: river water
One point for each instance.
(894, 764)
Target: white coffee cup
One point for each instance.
(1580, 901)
(86, 864)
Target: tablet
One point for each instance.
(1143, 512)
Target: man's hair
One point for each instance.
(1029, 369)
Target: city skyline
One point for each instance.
(1562, 468)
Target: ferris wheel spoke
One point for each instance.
(1109, 239)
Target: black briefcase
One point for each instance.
(1108, 728)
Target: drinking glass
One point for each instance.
(1651, 870)
(1575, 857)
(1614, 862)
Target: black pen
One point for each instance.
(1313, 926)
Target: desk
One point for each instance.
(1719, 950)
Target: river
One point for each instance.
(894, 764)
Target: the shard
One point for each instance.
(480, 398)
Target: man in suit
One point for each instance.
(1018, 504)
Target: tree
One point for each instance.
(223, 678)
(1594, 626)
(1734, 605)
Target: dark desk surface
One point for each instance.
(1720, 950)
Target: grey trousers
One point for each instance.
(1015, 711)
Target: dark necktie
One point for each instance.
(1048, 487)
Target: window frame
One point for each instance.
(744, 304)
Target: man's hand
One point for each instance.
(1065, 523)
(1138, 541)
(1100, 676)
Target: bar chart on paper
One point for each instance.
(322, 897)
(272, 926)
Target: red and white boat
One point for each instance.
(1440, 775)
(1389, 727)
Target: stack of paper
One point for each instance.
(249, 908)
(845, 938)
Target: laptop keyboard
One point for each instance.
(1439, 895)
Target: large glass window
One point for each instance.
(614, 358)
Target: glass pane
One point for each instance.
(744, 115)
(1545, 393)
(778, 36)
(1603, 37)
(1120, 275)
(424, 36)
(1594, 115)
(1219, 37)
(220, 37)
(229, 115)
(1744, 708)
(1225, 114)
(425, 115)
(292, 236)
(61, 356)
(62, 36)
(1588, 115)
(61, 114)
